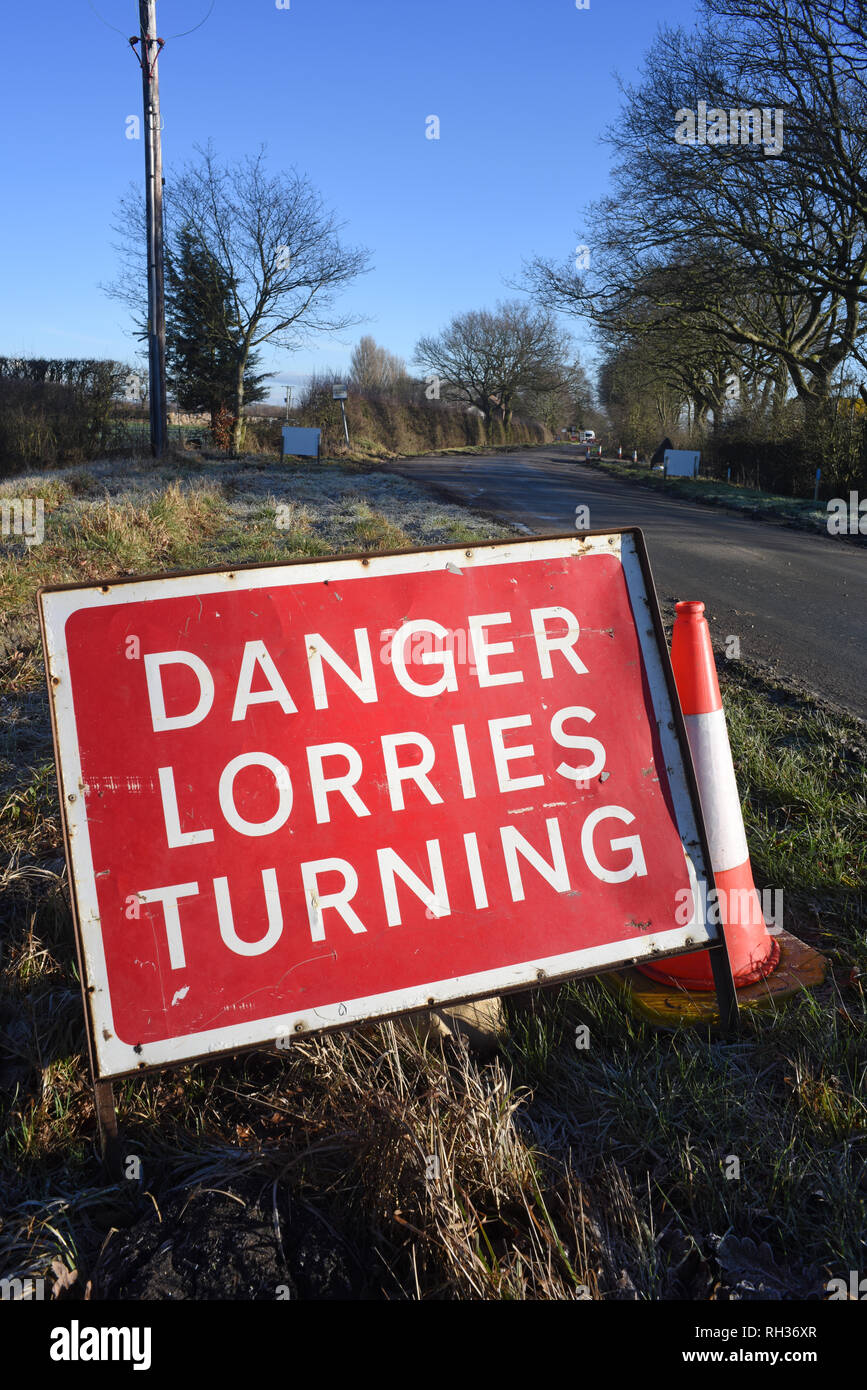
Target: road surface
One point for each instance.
(796, 600)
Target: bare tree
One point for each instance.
(662, 315)
(275, 243)
(643, 400)
(374, 369)
(489, 358)
(776, 228)
(567, 403)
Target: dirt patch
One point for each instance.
(244, 1242)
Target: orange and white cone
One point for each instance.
(753, 952)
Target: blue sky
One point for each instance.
(340, 89)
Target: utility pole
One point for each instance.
(148, 56)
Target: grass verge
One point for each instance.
(803, 514)
(561, 1172)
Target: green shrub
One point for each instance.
(60, 411)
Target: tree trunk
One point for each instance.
(238, 427)
(488, 409)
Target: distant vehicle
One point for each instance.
(588, 436)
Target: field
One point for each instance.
(563, 1172)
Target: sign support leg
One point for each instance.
(106, 1118)
(724, 983)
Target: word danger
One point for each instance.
(375, 773)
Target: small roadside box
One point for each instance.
(303, 442)
(682, 463)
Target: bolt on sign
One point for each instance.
(301, 795)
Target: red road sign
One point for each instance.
(301, 795)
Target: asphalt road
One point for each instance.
(797, 601)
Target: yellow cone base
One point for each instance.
(668, 1006)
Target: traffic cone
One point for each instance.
(752, 951)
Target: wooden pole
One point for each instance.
(150, 48)
(106, 1119)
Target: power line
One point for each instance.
(182, 35)
(104, 21)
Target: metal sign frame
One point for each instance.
(58, 603)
